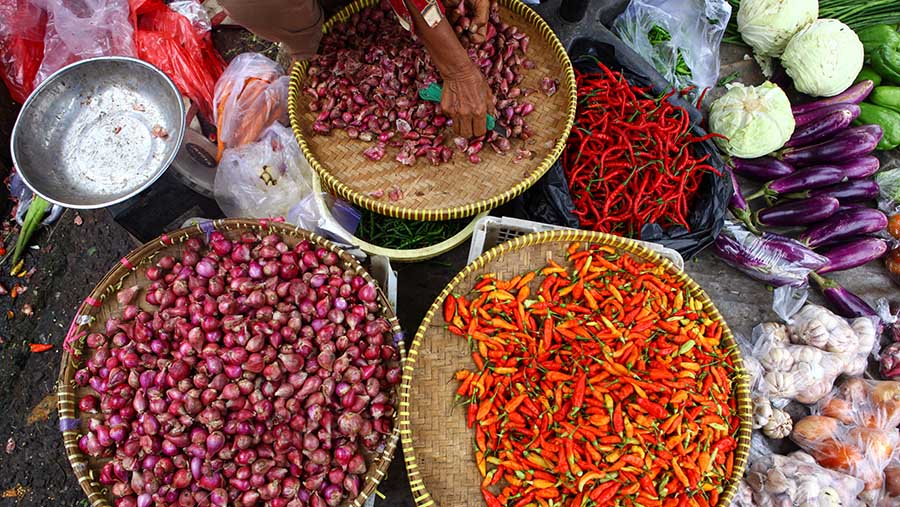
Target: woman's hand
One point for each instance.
(467, 100)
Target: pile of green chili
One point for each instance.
(401, 234)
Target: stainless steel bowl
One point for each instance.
(98, 132)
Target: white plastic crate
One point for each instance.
(491, 231)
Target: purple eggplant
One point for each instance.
(844, 225)
(848, 192)
(851, 255)
(803, 119)
(861, 168)
(738, 205)
(801, 212)
(853, 95)
(804, 179)
(824, 127)
(761, 169)
(847, 145)
(773, 259)
(792, 251)
(842, 301)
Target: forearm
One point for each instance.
(296, 23)
(442, 44)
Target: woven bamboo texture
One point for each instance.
(437, 446)
(101, 305)
(456, 189)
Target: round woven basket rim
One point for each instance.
(70, 426)
(298, 74)
(742, 389)
(408, 255)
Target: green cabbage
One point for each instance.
(824, 58)
(768, 25)
(756, 120)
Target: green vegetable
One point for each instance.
(659, 35)
(876, 36)
(868, 74)
(889, 185)
(857, 14)
(888, 119)
(756, 120)
(886, 61)
(768, 25)
(401, 234)
(886, 96)
(824, 58)
(32, 221)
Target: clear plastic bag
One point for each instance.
(860, 402)
(854, 450)
(263, 179)
(770, 258)
(80, 29)
(680, 38)
(250, 96)
(797, 480)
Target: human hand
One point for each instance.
(477, 11)
(467, 100)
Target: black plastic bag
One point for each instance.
(547, 201)
(711, 202)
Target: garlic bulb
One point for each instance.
(864, 327)
(779, 384)
(779, 424)
(815, 325)
(762, 411)
(776, 482)
(777, 358)
(771, 332)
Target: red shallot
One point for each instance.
(253, 373)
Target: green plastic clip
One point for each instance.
(433, 94)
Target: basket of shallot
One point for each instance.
(238, 362)
(362, 117)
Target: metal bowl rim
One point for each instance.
(53, 77)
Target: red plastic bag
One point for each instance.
(22, 28)
(183, 51)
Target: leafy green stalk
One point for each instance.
(32, 221)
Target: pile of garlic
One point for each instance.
(801, 361)
(795, 479)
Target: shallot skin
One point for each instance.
(365, 82)
(239, 379)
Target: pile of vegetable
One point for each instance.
(369, 71)
(820, 55)
(251, 372)
(403, 234)
(854, 431)
(795, 479)
(882, 107)
(630, 159)
(819, 182)
(783, 15)
(600, 381)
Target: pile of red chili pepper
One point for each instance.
(601, 383)
(629, 160)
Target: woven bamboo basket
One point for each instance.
(437, 445)
(101, 304)
(456, 189)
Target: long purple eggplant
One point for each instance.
(761, 169)
(861, 168)
(803, 179)
(845, 146)
(772, 259)
(801, 212)
(843, 225)
(842, 301)
(851, 255)
(802, 120)
(738, 205)
(853, 95)
(848, 192)
(824, 127)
